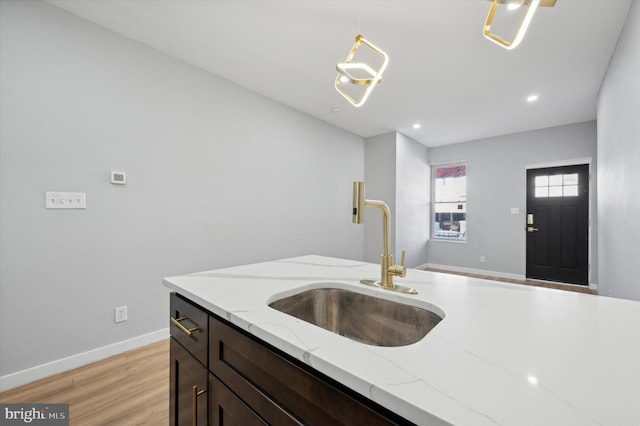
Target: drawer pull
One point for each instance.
(187, 331)
(196, 393)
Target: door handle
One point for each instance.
(532, 229)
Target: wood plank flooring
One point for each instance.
(546, 284)
(131, 388)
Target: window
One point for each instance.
(557, 186)
(450, 201)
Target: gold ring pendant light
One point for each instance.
(348, 68)
(532, 6)
(369, 76)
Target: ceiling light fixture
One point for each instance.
(532, 6)
(416, 126)
(370, 76)
(532, 98)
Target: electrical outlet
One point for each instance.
(482, 259)
(120, 314)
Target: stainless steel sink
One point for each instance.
(366, 319)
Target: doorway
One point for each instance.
(557, 224)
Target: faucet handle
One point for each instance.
(399, 270)
(403, 269)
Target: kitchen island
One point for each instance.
(503, 354)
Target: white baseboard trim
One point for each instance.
(38, 372)
(475, 271)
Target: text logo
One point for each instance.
(34, 414)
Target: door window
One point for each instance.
(561, 185)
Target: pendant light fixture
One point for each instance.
(531, 5)
(359, 73)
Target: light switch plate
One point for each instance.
(65, 200)
(515, 210)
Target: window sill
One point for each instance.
(448, 240)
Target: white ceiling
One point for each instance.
(442, 72)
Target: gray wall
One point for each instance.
(619, 166)
(380, 184)
(217, 176)
(496, 182)
(397, 172)
(413, 179)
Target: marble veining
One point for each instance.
(502, 355)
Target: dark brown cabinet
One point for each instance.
(188, 388)
(189, 346)
(252, 383)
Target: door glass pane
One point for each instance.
(555, 191)
(542, 180)
(555, 180)
(542, 191)
(571, 179)
(571, 190)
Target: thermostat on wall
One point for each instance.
(118, 178)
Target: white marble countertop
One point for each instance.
(504, 354)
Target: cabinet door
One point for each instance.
(281, 391)
(188, 390)
(226, 409)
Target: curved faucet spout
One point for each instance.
(388, 269)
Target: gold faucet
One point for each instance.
(388, 269)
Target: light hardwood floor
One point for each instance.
(534, 283)
(129, 389)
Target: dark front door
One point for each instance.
(557, 224)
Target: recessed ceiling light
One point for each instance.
(416, 126)
(532, 98)
(513, 6)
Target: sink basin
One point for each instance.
(360, 317)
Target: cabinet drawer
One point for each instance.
(189, 325)
(281, 390)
